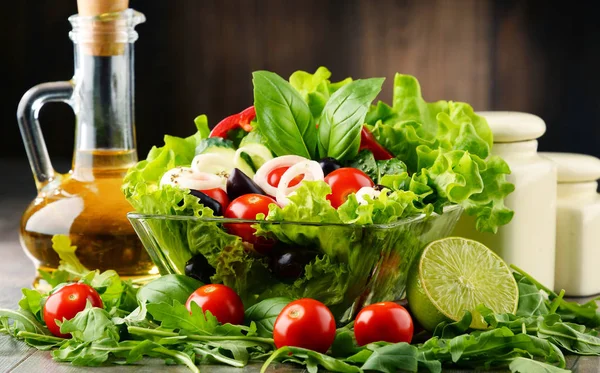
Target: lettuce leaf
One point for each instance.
(316, 88)
(446, 148)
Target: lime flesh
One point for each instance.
(456, 274)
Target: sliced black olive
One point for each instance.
(288, 264)
(238, 184)
(328, 165)
(380, 187)
(197, 267)
(208, 202)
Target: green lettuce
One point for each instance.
(446, 147)
(316, 88)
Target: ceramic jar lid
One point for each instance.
(513, 126)
(575, 168)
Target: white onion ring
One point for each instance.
(311, 170)
(187, 178)
(261, 176)
(366, 191)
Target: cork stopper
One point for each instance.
(102, 34)
(90, 8)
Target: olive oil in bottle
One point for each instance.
(87, 203)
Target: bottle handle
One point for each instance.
(28, 119)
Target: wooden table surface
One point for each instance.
(17, 271)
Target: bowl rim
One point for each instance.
(411, 219)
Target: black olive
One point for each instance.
(380, 187)
(197, 267)
(238, 184)
(328, 165)
(288, 264)
(208, 202)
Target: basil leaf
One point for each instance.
(343, 117)
(265, 313)
(167, 288)
(284, 119)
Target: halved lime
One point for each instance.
(456, 274)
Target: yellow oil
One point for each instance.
(87, 204)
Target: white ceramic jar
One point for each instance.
(577, 224)
(528, 241)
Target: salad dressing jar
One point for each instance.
(577, 224)
(528, 241)
(87, 203)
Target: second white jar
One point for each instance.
(528, 241)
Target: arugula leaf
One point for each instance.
(311, 359)
(24, 320)
(91, 353)
(392, 357)
(524, 365)
(264, 314)
(447, 329)
(284, 119)
(176, 316)
(90, 325)
(571, 337)
(532, 301)
(167, 288)
(343, 117)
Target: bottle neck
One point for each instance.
(103, 98)
(515, 149)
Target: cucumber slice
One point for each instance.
(257, 153)
(221, 161)
(214, 145)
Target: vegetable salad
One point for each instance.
(315, 151)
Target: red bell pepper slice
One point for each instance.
(367, 141)
(240, 120)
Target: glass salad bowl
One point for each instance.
(345, 266)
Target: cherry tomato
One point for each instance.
(274, 177)
(385, 321)
(247, 207)
(305, 323)
(345, 181)
(222, 301)
(218, 195)
(66, 302)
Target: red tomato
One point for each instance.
(221, 301)
(218, 195)
(305, 323)
(344, 181)
(385, 321)
(247, 207)
(66, 302)
(274, 177)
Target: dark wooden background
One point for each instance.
(196, 56)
